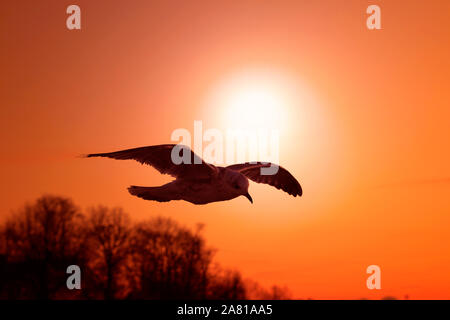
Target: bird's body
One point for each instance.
(197, 191)
(197, 181)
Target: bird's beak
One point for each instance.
(249, 197)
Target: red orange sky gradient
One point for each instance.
(372, 152)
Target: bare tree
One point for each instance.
(256, 291)
(227, 285)
(40, 241)
(109, 235)
(156, 259)
(169, 261)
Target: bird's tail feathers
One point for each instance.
(160, 194)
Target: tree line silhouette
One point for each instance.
(118, 258)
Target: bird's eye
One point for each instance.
(236, 186)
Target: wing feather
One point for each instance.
(160, 157)
(282, 179)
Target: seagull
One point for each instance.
(199, 182)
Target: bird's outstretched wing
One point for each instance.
(160, 157)
(282, 179)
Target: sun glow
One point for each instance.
(272, 106)
(254, 100)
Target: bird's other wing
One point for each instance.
(160, 157)
(282, 179)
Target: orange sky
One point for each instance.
(368, 134)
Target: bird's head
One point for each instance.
(238, 184)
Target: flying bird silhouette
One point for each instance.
(199, 182)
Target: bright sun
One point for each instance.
(273, 106)
(255, 106)
(254, 100)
